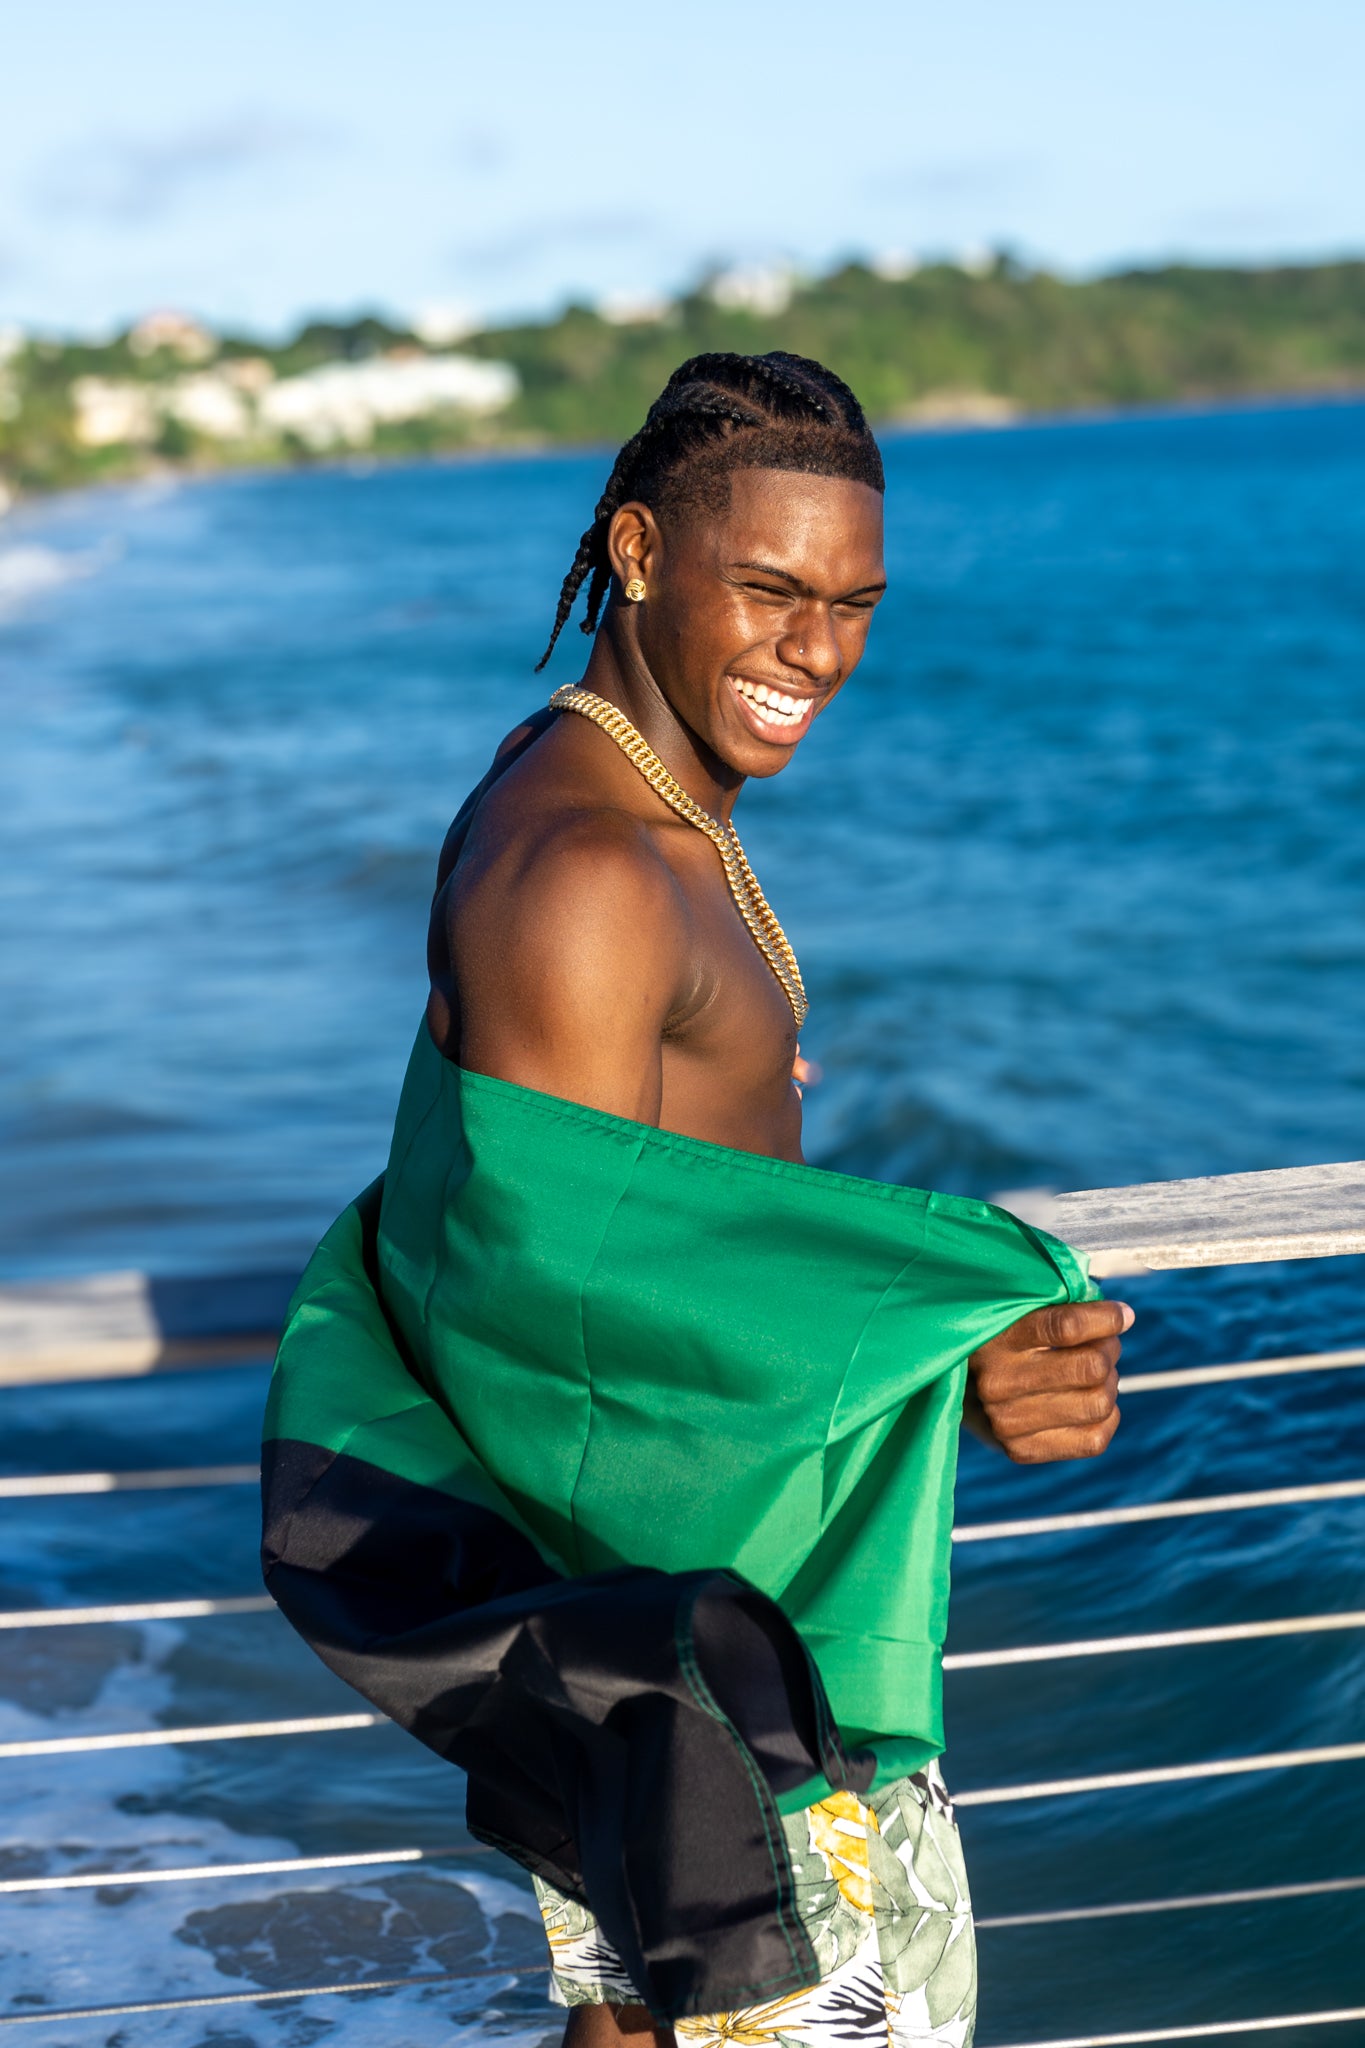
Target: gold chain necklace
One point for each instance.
(750, 902)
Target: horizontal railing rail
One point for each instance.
(964, 1660)
(276, 1866)
(1142, 2038)
(193, 1874)
(1245, 1369)
(1226, 1219)
(1083, 1518)
(1165, 1774)
(274, 1995)
(55, 1485)
(214, 1731)
(1160, 1639)
(51, 1485)
(1208, 2030)
(1160, 1511)
(990, 1795)
(120, 1325)
(135, 1610)
(1186, 1902)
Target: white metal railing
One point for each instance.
(276, 1866)
(1160, 1511)
(1164, 1774)
(213, 1731)
(50, 1485)
(991, 1795)
(1188, 1902)
(380, 1859)
(1147, 2037)
(1160, 1639)
(962, 1660)
(40, 1485)
(1247, 1369)
(113, 1327)
(134, 1610)
(1143, 2038)
(217, 1998)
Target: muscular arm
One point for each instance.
(570, 955)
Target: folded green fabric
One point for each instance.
(619, 1467)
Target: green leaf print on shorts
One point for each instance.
(882, 1894)
(924, 1922)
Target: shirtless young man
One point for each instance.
(584, 942)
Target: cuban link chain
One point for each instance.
(750, 902)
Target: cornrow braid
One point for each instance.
(721, 412)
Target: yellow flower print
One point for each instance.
(755, 2026)
(559, 1938)
(838, 1829)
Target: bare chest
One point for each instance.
(728, 1051)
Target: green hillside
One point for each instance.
(940, 344)
(1044, 344)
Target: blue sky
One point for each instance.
(259, 162)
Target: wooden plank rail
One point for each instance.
(1228, 1219)
(120, 1325)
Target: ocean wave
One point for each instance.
(31, 570)
(117, 1944)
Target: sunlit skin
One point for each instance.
(583, 939)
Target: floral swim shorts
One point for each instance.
(882, 1891)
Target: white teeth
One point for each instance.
(774, 707)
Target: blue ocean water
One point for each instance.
(1076, 872)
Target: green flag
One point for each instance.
(618, 1467)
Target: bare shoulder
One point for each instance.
(579, 841)
(510, 750)
(576, 882)
(568, 943)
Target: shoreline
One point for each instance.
(1198, 406)
(965, 423)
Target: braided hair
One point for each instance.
(718, 413)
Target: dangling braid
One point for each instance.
(722, 412)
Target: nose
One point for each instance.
(810, 645)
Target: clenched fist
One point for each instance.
(1047, 1388)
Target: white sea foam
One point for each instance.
(114, 1946)
(31, 570)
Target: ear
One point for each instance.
(634, 542)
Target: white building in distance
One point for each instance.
(184, 337)
(112, 414)
(344, 402)
(209, 404)
(893, 266)
(338, 404)
(633, 309)
(441, 326)
(760, 288)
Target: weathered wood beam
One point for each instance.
(1226, 1219)
(120, 1325)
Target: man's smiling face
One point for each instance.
(757, 614)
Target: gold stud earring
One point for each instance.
(635, 590)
